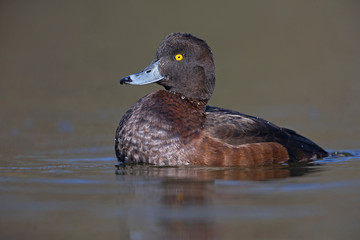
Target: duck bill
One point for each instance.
(150, 74)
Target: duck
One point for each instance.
(175, 126)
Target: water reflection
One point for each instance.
(183, 193)
(212, 173)
(76, 187)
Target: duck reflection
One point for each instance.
(185, 195)
(211, 173)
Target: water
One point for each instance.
(78, 196)
(294, 63)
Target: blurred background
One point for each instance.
(295, 63)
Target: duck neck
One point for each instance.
(196, 103)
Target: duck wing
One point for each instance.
(237, 129)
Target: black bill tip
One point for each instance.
(125, 80)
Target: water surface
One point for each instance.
(71, 194)
(294, 63)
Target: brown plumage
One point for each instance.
(176, 127)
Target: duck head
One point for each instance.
(183, 64)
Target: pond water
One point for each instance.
(74, 194)
(293, 63)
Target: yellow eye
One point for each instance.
(178, 57)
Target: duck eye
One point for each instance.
(178, 57)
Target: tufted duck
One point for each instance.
(175, 126)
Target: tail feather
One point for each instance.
(302, 149)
